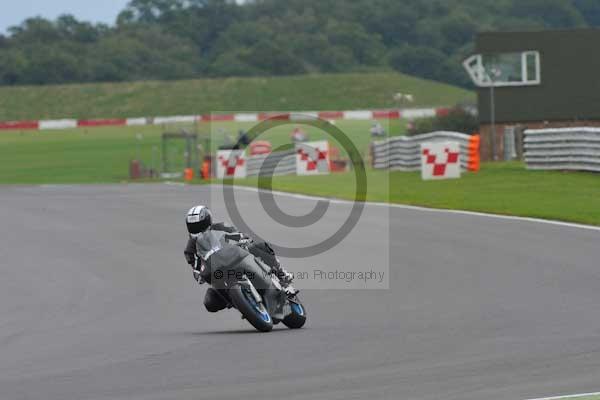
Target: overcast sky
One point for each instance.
(13, 12)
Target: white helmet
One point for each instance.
(198, 219)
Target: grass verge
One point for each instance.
(500, 188)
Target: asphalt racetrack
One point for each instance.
(96, 302)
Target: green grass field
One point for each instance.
(297, 93)
(102, 155)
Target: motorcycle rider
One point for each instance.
(201, 248)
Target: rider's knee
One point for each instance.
(212, 301)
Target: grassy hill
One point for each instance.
(306, 92)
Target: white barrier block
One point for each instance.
(245, 117)
(58, 124)
(361, 115)
(440, 160)
(416, 113)
(136, 121)
(312, 158)
(304, 116)
(175, 119)
(231, 164)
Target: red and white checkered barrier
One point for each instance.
(312, 158)
(308, 158)
(231, 164)
(440, 160)
(409, 114)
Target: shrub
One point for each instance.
(457, 119)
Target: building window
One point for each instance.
(504, 69)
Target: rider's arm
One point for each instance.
(238, 237)
(222, 226)
(232, 233)
(190, 257)
(190, 252)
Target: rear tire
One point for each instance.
(297, 318)
(255, 313)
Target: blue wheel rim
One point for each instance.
(264, 315)
(297, 308)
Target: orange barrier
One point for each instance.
(205, 171)
(336, 164)
(474, 159)
(188, 174)
(135, 169)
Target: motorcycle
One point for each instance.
(255, 290)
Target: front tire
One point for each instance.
(254, 312)
(297, 318)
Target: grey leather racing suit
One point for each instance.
(217, 246)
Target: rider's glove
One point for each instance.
(197, 268)
(198, 277)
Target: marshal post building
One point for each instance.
(534, 80)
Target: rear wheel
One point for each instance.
(256, 313)
(297, 318)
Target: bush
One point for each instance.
(457, 119)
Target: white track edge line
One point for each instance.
(427, 209)
(569, 396)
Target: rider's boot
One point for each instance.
(286, 279)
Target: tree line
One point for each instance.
(179, 39)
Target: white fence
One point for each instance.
(563, 149)
(403, 153)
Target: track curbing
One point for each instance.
(569, 396)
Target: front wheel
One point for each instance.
(254, 312)
(297, 318)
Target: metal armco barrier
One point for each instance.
(563, 149)
(277, 163)
(403, 153)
